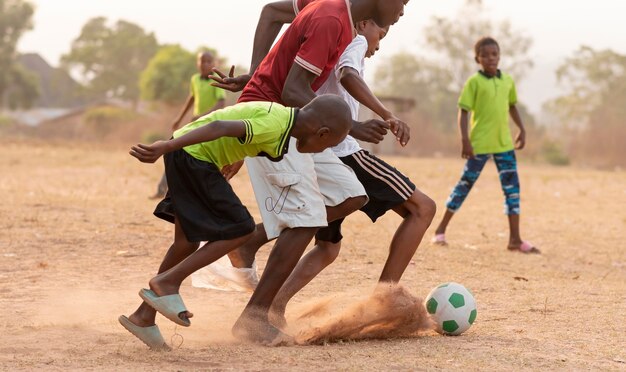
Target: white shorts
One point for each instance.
(295, 191)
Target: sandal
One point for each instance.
(439, 239)
(525, 247)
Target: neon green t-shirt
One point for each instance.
(489, 99)
(205, 95)
(268, 127)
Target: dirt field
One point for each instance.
(78, 240)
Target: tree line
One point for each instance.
(122, 60)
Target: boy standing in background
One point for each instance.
(204, 97)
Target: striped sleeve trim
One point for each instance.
(284, 138)
(295, 7)
(308, 66)
(249, 133)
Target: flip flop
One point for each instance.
(439, 239)
(169, 306)
(526, 247)
(150, 336)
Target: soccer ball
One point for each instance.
(452, 307)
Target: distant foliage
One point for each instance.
(594, 105)
(18, 88)
(110, 58)
(103, 119)
(552, 153)
(168, 75)
(435, 77)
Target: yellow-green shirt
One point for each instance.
(489, 99)
(268, 127)
(205, 95)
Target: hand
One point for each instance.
(520, 140)
(149, 153)
(467, 151)
(229, 171)
(400, 129)
(372, 130)
(231, 82)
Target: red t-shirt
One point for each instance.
(315, 40)
(298, 5)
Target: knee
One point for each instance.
(426, 207)
(328, 251)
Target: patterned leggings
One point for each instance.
(507, 168)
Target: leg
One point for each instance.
(169, 282)
(417, 213)
(325, 251)
(253, 324)
(181, 248)
(243, 256)
(161, 188)
(509, 179)
(471, 172)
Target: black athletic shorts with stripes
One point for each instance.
(386, 188)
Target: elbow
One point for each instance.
(290, 96)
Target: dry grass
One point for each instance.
(77, 240)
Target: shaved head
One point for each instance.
(328, 121)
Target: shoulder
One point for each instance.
(473, 81)
(507, 77)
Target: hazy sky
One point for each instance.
(558, 27)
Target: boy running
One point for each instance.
(203, 207)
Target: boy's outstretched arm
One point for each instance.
(273, 17)
(520, 140)
(206, 133)
(357, 88)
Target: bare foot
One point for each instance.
(256, 328)
(277, 318)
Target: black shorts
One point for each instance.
(386, 188)
(202, 200)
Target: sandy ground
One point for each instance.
(78, 240)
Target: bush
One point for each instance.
(150, 137)
(102, 119)
(552, 153)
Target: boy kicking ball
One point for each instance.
(203, 206)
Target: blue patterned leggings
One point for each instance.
(507, 168)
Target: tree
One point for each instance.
(593, 105)
(594, 82)
(110, 59)
(18, 88)
(435, 77)
(167, 76)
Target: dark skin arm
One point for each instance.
(357, 88)
(186, 107)
(467, 151)
(297, 92)
(273, 17)
(206, 133)
(520, 140)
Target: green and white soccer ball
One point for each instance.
(452, 307)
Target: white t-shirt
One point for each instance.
(353, 57)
